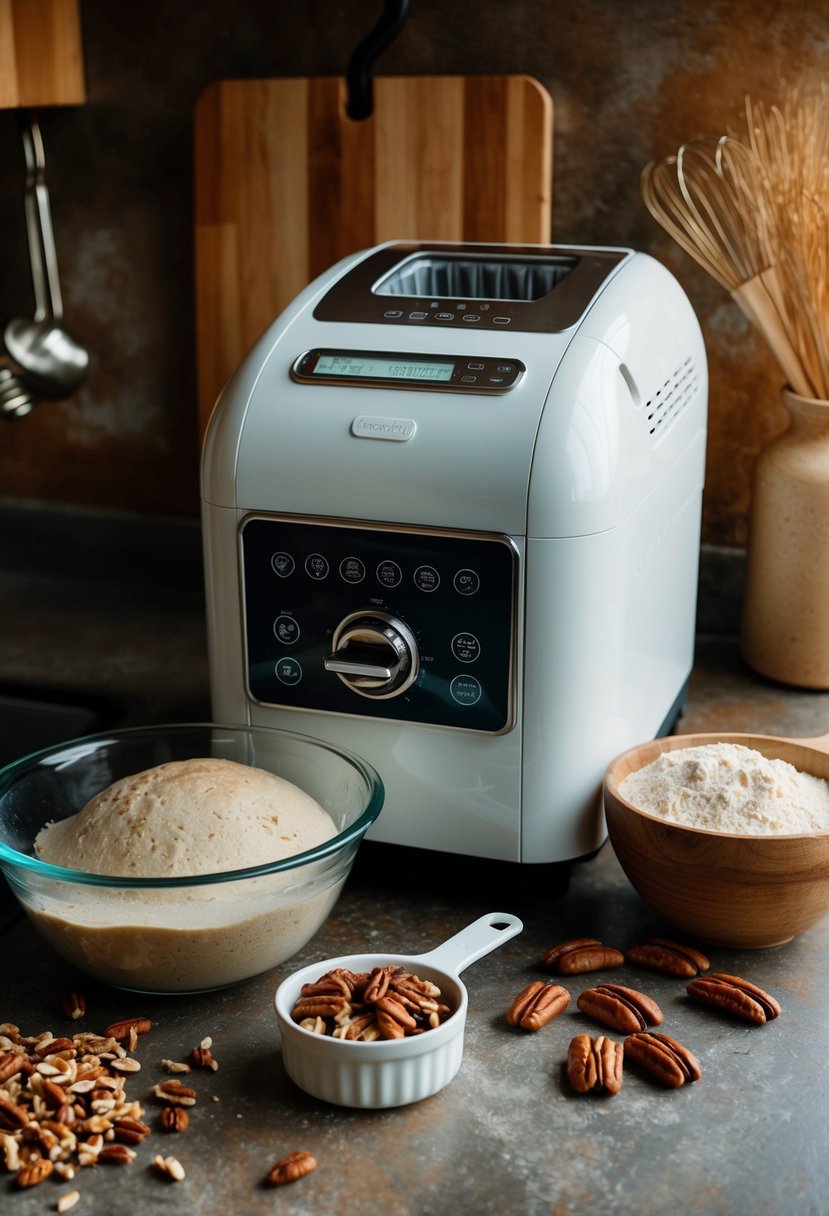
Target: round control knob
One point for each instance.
(374, 654)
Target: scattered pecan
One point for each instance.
(735, 996)
(175, 1066)
(117, 1154)
(130, 1131)
(290, 1168)
(537, 1004)
(121, 1030)
(169, 1168)
(175, 1092)
(202, 1056)
(620, 1008)
(579, 955)
(666, 1060)
(33, 1172)
(174, 1119)
(73, 1006)
(668, 957)
(595, 1064)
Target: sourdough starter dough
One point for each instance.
(180, 819)
(187, 817)
(726, 787)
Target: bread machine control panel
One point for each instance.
(402, 624)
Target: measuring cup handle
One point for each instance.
(484, 934)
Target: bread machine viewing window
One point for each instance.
(484, 278)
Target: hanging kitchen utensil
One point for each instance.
(286, 184)
(52, 362)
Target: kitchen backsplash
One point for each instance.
(629, 83)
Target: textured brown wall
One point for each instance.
(630, 79)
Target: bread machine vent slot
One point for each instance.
(473, 278)
(672, 397)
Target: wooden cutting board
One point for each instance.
(286, 185)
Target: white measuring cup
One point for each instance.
(389, 1072)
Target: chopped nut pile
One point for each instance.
(387, 1003)
(63, 1101)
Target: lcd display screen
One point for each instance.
(375, 367)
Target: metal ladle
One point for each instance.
(51, 360)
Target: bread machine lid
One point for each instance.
(529, 288)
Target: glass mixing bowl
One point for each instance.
(187, 933)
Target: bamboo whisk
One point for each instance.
(753, 211)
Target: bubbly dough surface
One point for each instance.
(187, 817)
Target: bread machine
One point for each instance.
(451, 509)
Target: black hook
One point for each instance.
(358, 75)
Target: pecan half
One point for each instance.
(175, 1092)
(11, 1063)
(322, 1006)
(595, 1064)
(121, 1030)
(132, 1131)
(12, 1116)
(174, 1119)
(117, 1154)
(620, 1008)
(735, 996)
(663, 1058)
(668, 958)
(33, 1172)
(537, 1004)
(290, 1168)
(73, 1006)
(579, 955)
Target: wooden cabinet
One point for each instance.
(41, 61)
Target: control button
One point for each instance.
(497, 379)
(389, 574)
(466, 690)
(352, 570)
(475, 367)
(282, 564)
(288, 671)
(471, 316)
(501, 320)
(469, 379)
(426, 578)
(418, 316)
(392, 313)
(467, 582)
(286, 630)
(444, 316)
(466, 648)
(505, 367)
(316, 566)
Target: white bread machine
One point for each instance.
(451, 510)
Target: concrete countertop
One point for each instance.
(507, 1135)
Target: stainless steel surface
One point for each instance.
(53, 363)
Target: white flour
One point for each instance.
(726, 787)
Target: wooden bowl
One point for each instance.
(719, 887)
